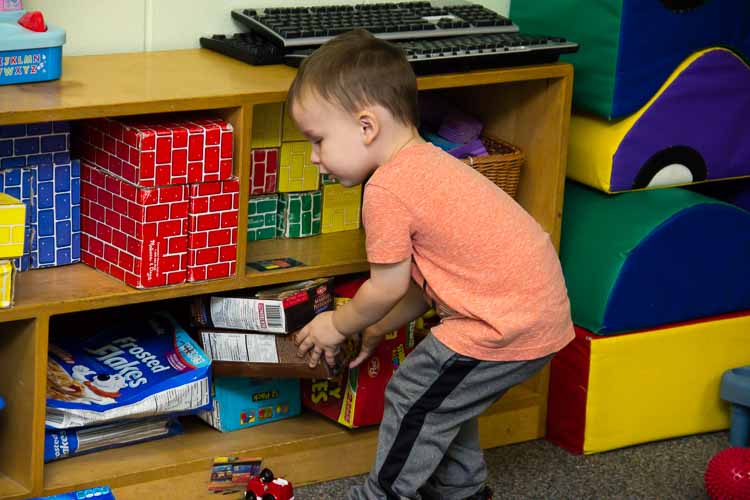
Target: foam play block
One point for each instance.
(264, 168)
(212, 229)
(136, 234)
(629, 47)
(12, 226)
(299, 214)
(638, 260)
(7, 280)
(157, 150)
(296, 171)
(692, 130)
(31, 144)
(609, 392)
(267, 119)
(735, 191)
(261, 217)
(341, 207)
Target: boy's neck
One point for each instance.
(398, 138)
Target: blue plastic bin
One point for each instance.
(27, 56)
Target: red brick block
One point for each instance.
(151, 151)
(264, 168)
(212, 242)
(148, 248)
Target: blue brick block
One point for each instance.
(45, 225)
(7, 131)
(60, 158)
(60, 127)
(39, 128)
(26, 146)
(6, 148)
(17, 182)
(41, 159)
(52, 143)
(13, 162)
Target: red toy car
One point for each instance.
(266, 487)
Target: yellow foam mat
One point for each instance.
(662, 383)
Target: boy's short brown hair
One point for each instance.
(356, 69)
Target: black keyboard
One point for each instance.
(312, 26)
(465, 53)
(247, 47)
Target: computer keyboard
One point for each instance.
(247, 47)
(472, 52)
(298, 27)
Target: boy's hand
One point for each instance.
(319, 337)
(370, 341)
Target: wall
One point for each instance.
(107, 26)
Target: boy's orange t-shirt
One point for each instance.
(479, 252)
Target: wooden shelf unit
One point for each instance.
(529, 106)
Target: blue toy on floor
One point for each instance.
(735, 388)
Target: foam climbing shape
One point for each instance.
(639, 260)
(609, 392)
(629, 47)
(736, 191)
(693, 129)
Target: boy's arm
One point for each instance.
(377, 296)
(322, 336)
(410, 307)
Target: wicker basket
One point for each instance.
(502, 166)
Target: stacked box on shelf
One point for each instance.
(36, 165)
(212, 229)
(12, 237)
(261, 217)
(299, 214)
(173, 177)
(136, 234)
(341, 206)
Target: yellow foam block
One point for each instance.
(661, 383)
(296, 171)
(291, 132)
(6, 283)
(267, 119)
(12, 226)
(341, 207)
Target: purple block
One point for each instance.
(473, 148)
(459, 127)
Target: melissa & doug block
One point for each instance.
(296, 171)
(341, 207)
(267, 119)
(31, 144)
(158, 151)
(264, 169)
(261, 217)
(212, 229)
(290, 132)
(136, 234)
(299, 214)
(17, 182)
(12, 226)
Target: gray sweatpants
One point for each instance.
(428, 443)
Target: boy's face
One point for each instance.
(339, 145)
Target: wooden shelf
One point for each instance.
(528, 106)
(300, 448)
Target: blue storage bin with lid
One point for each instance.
(26, 55)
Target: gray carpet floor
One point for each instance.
(671, 469)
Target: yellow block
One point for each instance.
(296, 171)
(291, 132)
(267, 125)
(12, 226)
(341, 207)
(6, 283)
(661, 383)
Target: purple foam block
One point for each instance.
(460, 127)
(473, 148)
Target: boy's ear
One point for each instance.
(369, 126)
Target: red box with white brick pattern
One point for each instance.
(212, 229)
(159, 151)
(136, 234)
(264, 167)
